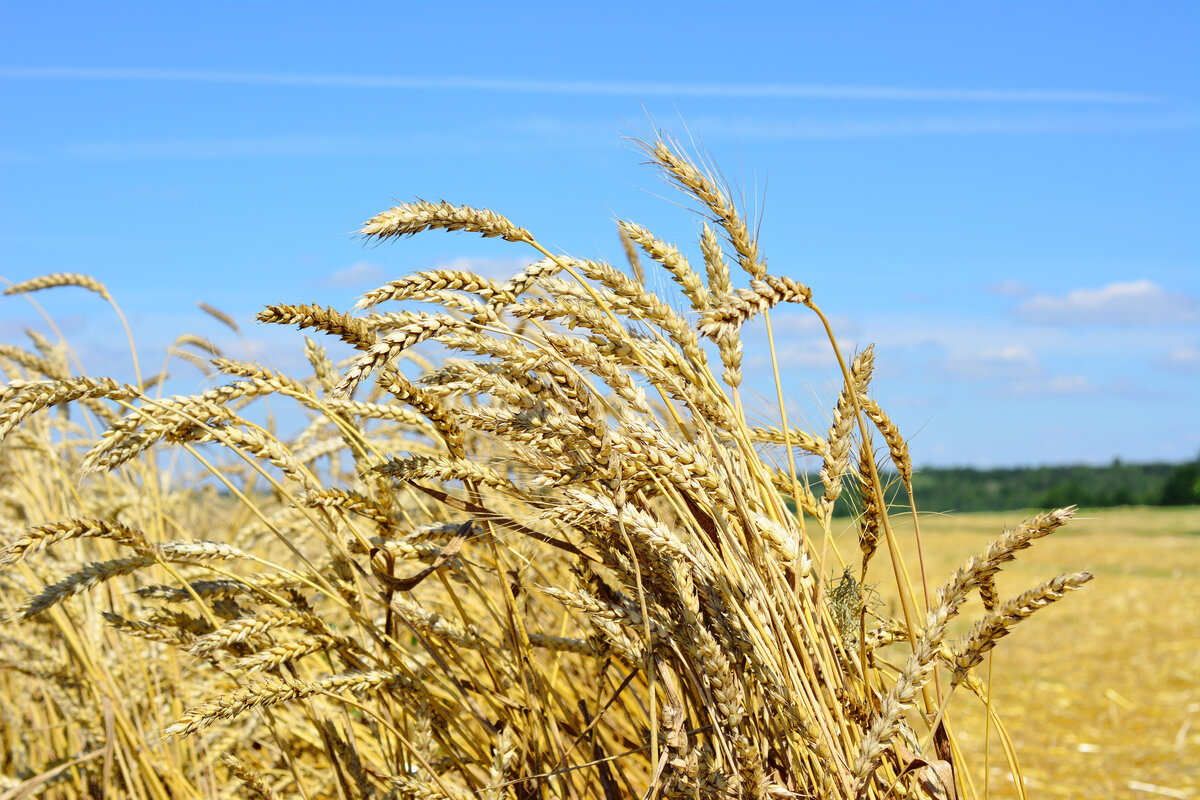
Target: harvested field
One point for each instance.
(1101, 697)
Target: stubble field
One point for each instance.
(1101, 695)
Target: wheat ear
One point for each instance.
(407, 219)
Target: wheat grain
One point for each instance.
(444, 469)
(268, 692)
(149, 631)
(741, 305)
(704, 189)
(871, 515)
(672, 260)
(60, 279)
(239, 630)
(33, 397)
(277, 655)
(32, 363)
(897, 446)
(253, 782)
(417, 328)
(407, 219)
(38, 538)
(220, 316)
(80, 581)
(345, 327)
(987, 631)
(420, 285)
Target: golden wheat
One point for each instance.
(561, 561)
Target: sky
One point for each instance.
(1002, 197)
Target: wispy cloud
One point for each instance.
(767, 129)
(218, 148)
(577, 87)
(358, 274)
(793, 320)
(806, 355)
(1011, 361)
(366, 272)
(1184, 359)
(1141, 302)
(1056, 386)
(541, 134)
(1009, 288)
(286, 146)
(776, 128)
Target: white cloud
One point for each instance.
(1141, 302)
(358, 274)
(794, 320)
(365, 272)
(1009, 288)
(579, 87)
(809, 355)
(1182, 359)
(1057, 386)
(1011, 361)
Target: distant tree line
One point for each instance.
(972, 489)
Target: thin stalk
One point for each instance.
(787, 435)
(903, 584)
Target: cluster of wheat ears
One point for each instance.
(558, 561)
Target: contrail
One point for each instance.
(759, 90)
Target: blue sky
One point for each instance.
(1003, 197)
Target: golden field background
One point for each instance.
(1102, 694)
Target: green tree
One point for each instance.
(1183, 486)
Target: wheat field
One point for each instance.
(532, 542)
(1101, 697)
